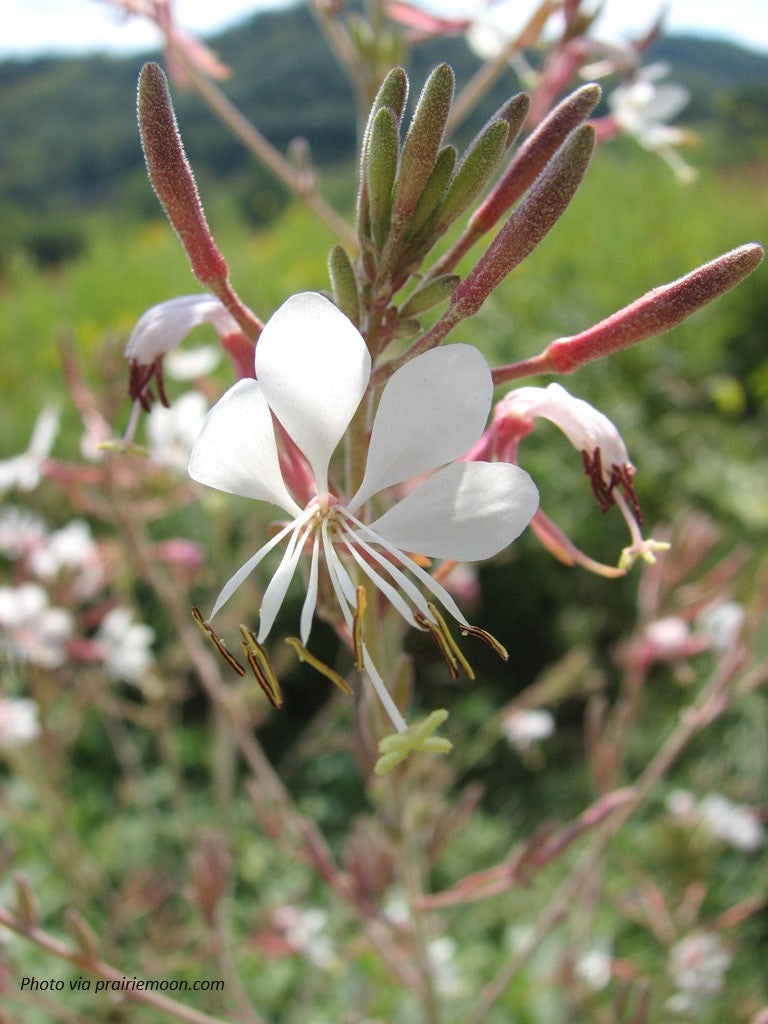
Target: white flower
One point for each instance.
(641, 107)
(70, 549)
(125, 645)
(313, 369)
(161, 329)
(21, 531)
(172, 432)
(697, 965)
(19, 722)
(495, 25)
(25, 471)
(526, 727)
(305, 932)
(33, 630)
(734, 824)
(722, 622)
(594, 967)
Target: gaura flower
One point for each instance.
(313, 369)
(160, 330)
(642, 108)
(604, 456)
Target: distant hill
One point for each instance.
(69, 141)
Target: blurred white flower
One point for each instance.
(19, 722)
(304, 930)
(20, 531)
(70, 549)
(493, 26)
(525, 728)
(722, 622)
(641, 107)
(593, 968)
(446, 976)
(680, 803)
(25, 471)
(697, 965)
(172, 432)
(734, 824)
(30, 630)
(192, 363)
(125, 645)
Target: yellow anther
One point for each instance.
(317, 665)
(395, 748)
(357, 629)
(260, 665)
(230, 659)
(122, 448)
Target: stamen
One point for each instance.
(261, 667)
(230, 659)
(357, 628)
(451, 642)
(439, 637)
(487, 638)
(319, 666)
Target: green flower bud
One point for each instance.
(429, 294)
(344, 283)
(422, 143)
(381, 168)
(479, 164)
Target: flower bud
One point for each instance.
(430, 294)
(422, 143)
(433, 191)
(477, 166)
(380, 170)
(344, 283)
(529, 223)
(171, 176)
(535, 154)
(655, 312)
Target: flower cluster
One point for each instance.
(421, 476)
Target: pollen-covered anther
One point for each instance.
(260, 665)
(319, 666)
(357, 629)
(230, 659)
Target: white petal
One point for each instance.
(466, 511)
(585, 427)
(314, 367)
(236, 451)
(432, 411)
(167, 324)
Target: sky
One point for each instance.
(31, 27)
